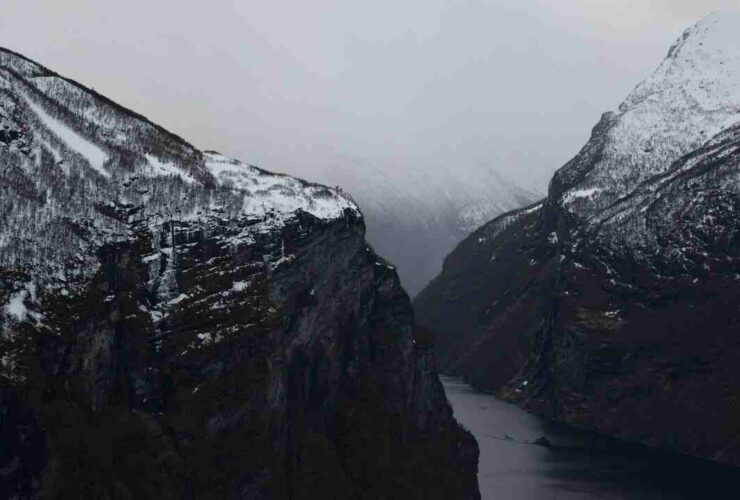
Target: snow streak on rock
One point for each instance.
(95, 156)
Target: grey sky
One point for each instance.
(517, 84)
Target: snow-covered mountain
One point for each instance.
(613, 303)
(75, 159)
(692, 96)
(177, 324)
(416, 216)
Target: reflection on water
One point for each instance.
(525, 457)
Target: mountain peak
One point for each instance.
(713, 37)
(727, 18)
(703, 64)
(692, 96)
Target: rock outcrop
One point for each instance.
(176, 324)
(613, 304)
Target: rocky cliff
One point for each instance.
(176, 324)
(613, 304)
(416, 216)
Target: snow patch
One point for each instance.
(576, 194)
(531, 209)
(240, 286)
(150, 258)
(178, 299)
(268, 193)
(159, 167)
(16, 306)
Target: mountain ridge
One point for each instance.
(95, 94)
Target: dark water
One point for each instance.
(577, 464)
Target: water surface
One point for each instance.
(574, 464)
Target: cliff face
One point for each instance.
(415, 216)
(176, 324)
(613, 304)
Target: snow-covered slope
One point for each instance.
(690, 103)
(69, 156)
(613, 303)
(692, 96)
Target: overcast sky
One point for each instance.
(516, 84)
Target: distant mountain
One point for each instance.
(415, 217)
(178, 324)
(612, 304)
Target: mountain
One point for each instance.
(178, 324)
(415, 219)
(612, 304)
(415, 216)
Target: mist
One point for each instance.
(293, 87)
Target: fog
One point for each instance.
(432, 84)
